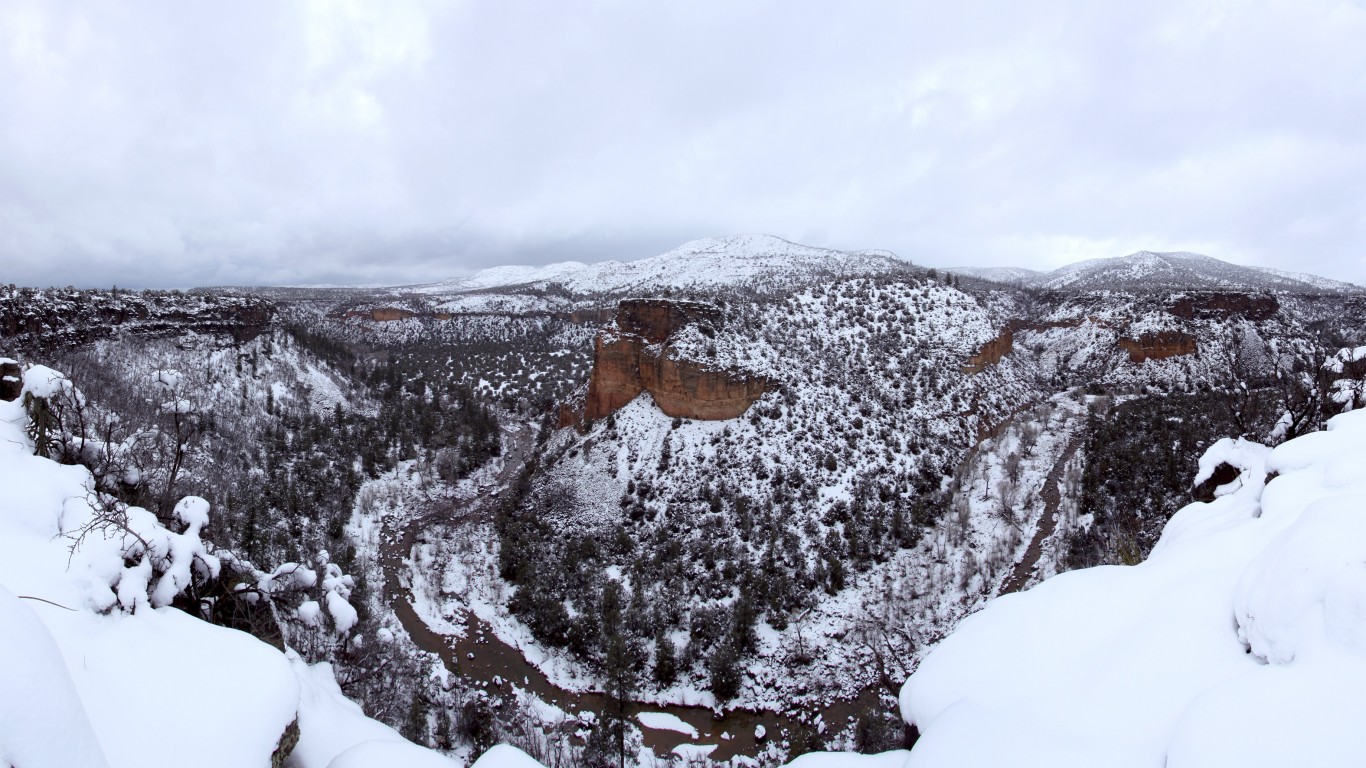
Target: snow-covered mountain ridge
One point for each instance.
(739, 260)
(1167, 271)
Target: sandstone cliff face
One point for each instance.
(385, 314)
(992, 351)
(635, 357)
(1158, 346)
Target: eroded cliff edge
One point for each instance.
(635, 354)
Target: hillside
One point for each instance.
(105, 659)
(1238, 641)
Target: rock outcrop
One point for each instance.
(635, 356)
(1221, 306)
(382, 314)
(44, 320)
(991, 352)
(388, 314)
(1158, 345)
(11, 379)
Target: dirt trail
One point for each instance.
(485, 660)
(1048, 523)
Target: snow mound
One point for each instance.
(390, 754)
(1240, 641)
(42, 720)
(335, 733)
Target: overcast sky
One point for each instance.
(196, 143)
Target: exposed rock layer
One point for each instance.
(386, 314)
(43, 320)
(1158, 346)
(1254, 306)
(992, 351)
(635, 356)
(11, 379)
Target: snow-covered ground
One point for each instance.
(1241, 640)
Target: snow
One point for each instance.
(710, 262)
(333, 731)
(663, 721)
(690, 752)
(310, 613)
(505, 756)
(343, 615)
(893, 759)
(1240, 641)
(42, 720)
(390, 754)
(1245, 455)
(167, 378)
(41, 381)
(193, 511)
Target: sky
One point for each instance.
(155, 144)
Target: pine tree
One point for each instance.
(666, 664)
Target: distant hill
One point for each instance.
(736, 261)
(1148, 270)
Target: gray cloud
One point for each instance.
(262, 142)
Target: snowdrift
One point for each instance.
(96, 671)
(1240, 641)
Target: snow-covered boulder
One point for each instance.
(1240, 641)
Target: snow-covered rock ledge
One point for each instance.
(1240, 641)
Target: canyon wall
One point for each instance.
(635, 356)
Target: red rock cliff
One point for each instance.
(992, 351)
(635, 357)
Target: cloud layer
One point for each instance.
(263, 142)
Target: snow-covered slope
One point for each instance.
(740, 260)
(1241, 640)
(1147, 270)
(97, 669)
